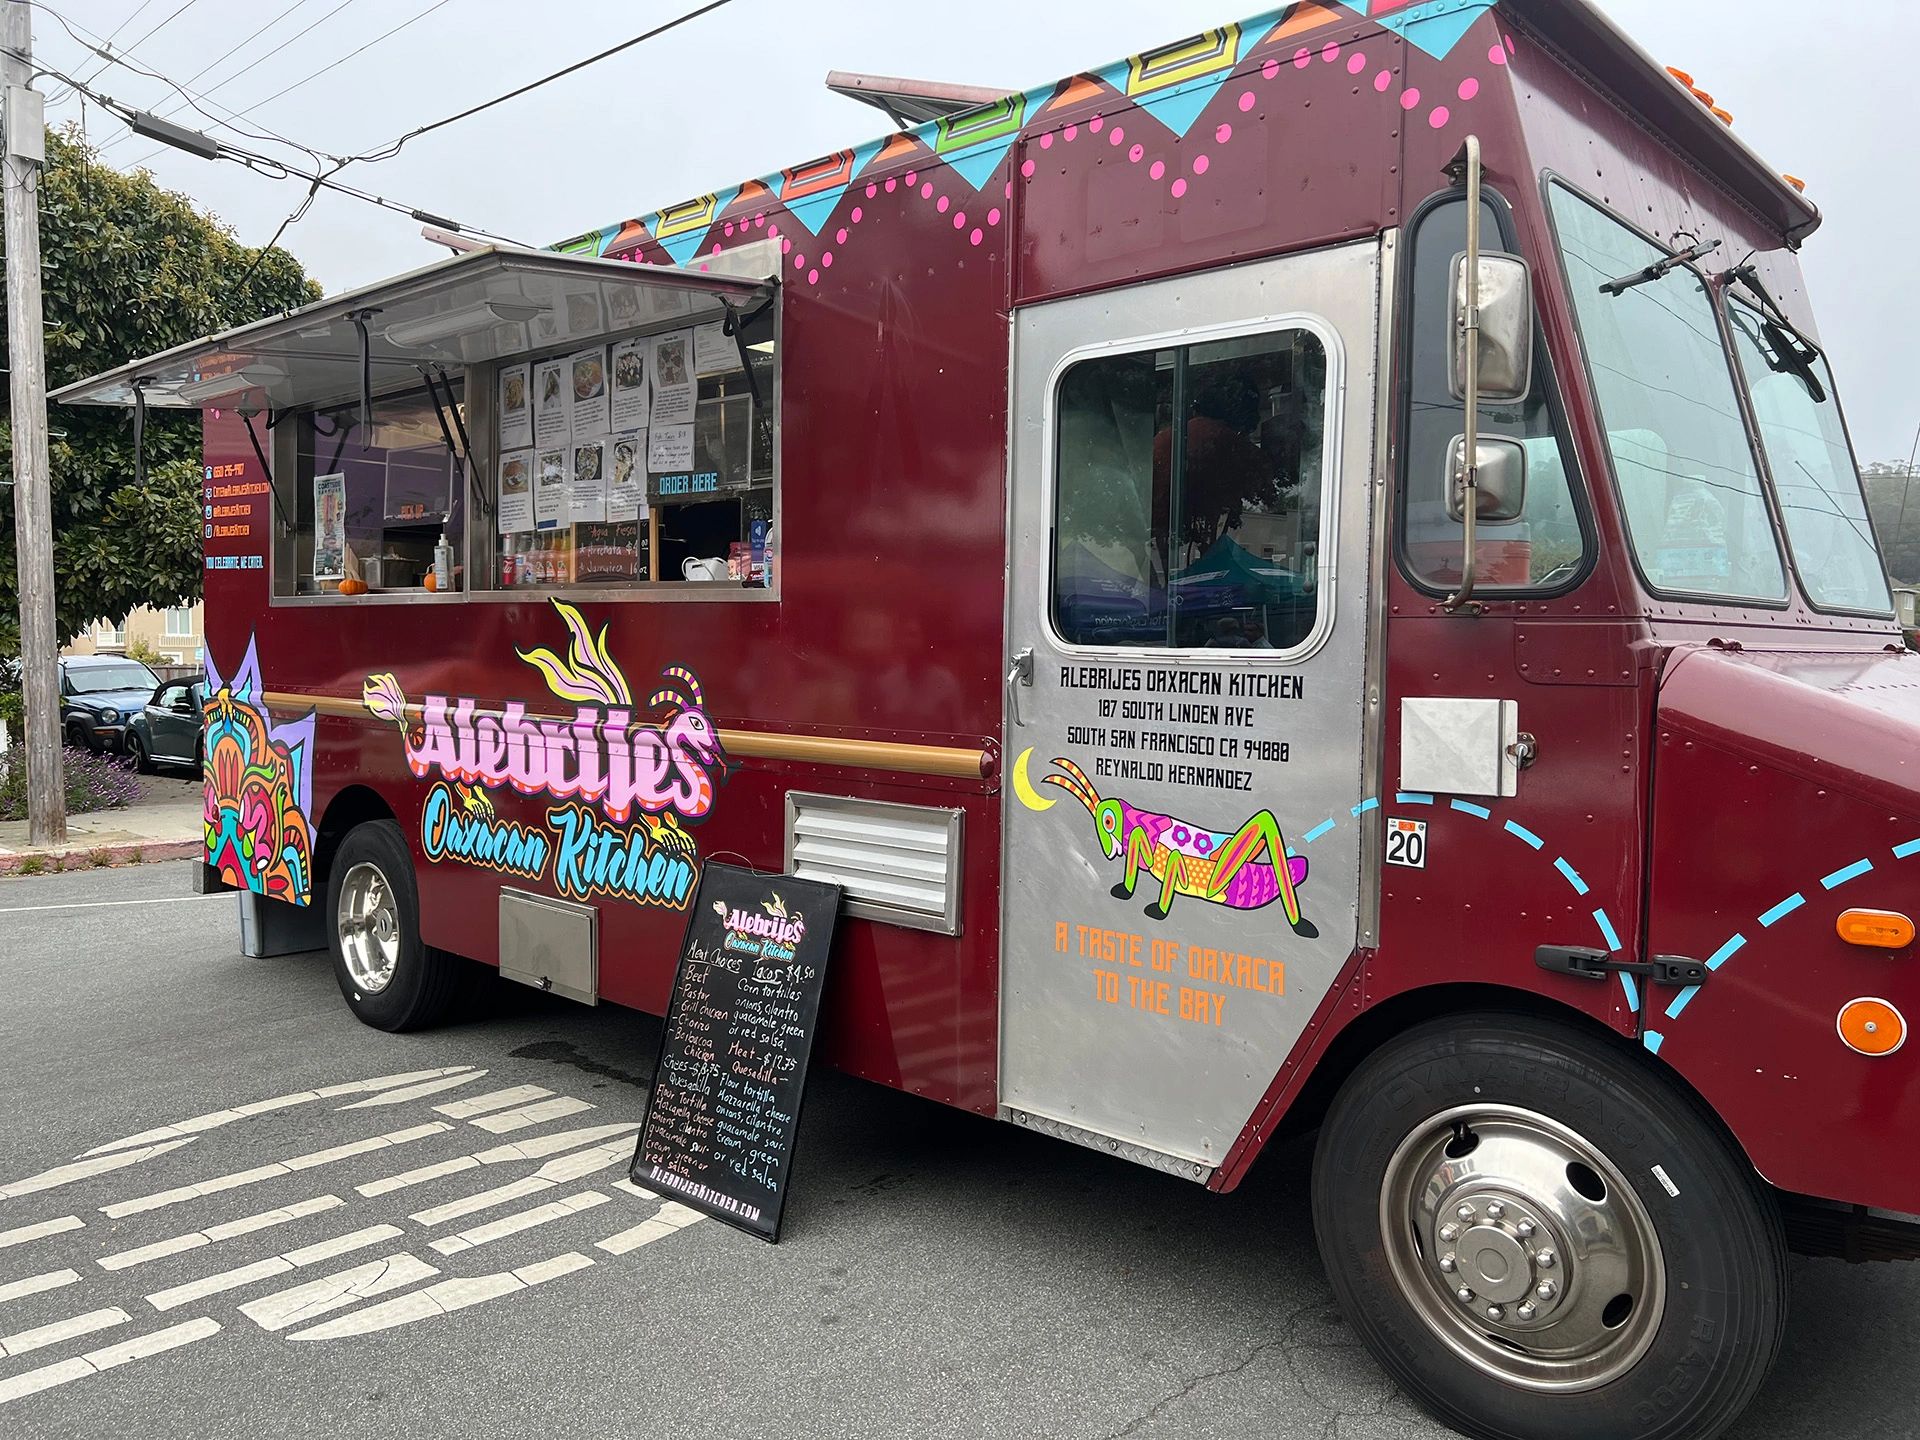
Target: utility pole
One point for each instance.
(25, 137)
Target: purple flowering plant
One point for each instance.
(94, 782)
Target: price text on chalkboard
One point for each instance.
(725, 1106)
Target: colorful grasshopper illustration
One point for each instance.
(1246, 870)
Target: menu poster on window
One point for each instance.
(588, 372)
(329, 527)
(516, 492)
(607, 552)
(516, 412)
(669, 447)
(628, 493)
(674, 388)
(550, 490)
(588, 495)
(552, 413)
(714, 351)
(630, 385)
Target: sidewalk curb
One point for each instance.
(99, 857)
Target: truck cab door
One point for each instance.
(1192, 470)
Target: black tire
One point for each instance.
(137, 754)
(1709, 1341)
(81, 737)
(424, 981)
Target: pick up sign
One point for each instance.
(725, 1107)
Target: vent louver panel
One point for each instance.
(897, 863)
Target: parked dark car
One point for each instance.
(167, 731)
(99, 696)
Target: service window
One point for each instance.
(643, 458)
(1696, 514)
(369, 506)
(1188, 492)
(1814, 476)
(1546, 548)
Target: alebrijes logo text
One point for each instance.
(772, 935)
(602, 756)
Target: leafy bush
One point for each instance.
(94, 782)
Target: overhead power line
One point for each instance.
(265, 135)
(388, 151)
(334, 65)
(233, 115)
(267, 165)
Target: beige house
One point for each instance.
(175, 635)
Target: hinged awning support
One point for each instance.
(266, 468)
(736, 325)
(463, 451)
(360, 319)
(140, 432)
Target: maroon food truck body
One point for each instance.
(1310, 577)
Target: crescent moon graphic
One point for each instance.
(1023, 787)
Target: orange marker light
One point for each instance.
(1682, 76)
(1876, 929)
(1796, 182)
(1872, 1027)
(1724, 117)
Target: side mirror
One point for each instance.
(1906, 604)
(1506, 329)
(1502, 480)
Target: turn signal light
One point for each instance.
(1872, 1027)
(1876, 929)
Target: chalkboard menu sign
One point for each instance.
(725, 1107)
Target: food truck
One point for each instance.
(1313, 577)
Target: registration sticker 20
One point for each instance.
(1407, 843)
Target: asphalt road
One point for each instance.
(940, 1275)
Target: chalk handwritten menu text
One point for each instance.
(725, 1107)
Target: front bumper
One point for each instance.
(109, 737)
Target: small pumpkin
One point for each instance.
(433, 581)
(353, 587)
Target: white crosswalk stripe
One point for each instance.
(542, 1159)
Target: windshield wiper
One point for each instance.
(1660, 269)
(1794, 354)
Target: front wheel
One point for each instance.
(137, 753)
(1538, 1235)
(390, 978)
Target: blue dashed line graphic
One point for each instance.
(1527, 835)
(1767, 919)
(1520, 832)
(1844, 874)
(1780, 912)
(1601, 919)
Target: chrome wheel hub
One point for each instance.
(368, 921)
(1523, 1248)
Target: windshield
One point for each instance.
(100, 679)
(1696, 514)
(1813, 470)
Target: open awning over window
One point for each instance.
(492, 304)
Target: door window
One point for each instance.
(1189, 485)
(1686, 473)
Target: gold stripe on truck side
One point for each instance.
(952, 762)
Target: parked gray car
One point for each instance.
(100, 695)
(167, 731)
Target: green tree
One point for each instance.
(128, 269)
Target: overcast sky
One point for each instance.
(1822, 91)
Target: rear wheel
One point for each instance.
(1538, 1235)
(391, 980)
